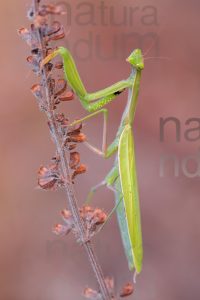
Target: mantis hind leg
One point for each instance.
(105, 125)
(93, 191)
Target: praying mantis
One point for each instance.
(122, 179)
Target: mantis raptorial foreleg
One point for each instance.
(102, 97)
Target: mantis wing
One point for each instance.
(128, 177)
(123, 224)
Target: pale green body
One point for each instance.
(122, 178)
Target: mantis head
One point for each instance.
(136, 59)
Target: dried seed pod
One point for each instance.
(55, 27)
(58, 36)
(66, 214)
(52, 9)
(71, 147)
(80, 170)
(99, 216)
(87, 209)
(29, 37)
(67, 96)
(74, 160)
(60, 229)
(37, 91)
(87, 213)
(49, 178)
(77, 138)
(60, 117)
(61, 87)
(24, 33)
(127, 290)
(33, 62)
(75, 130)
(58, 65)
(92, 294)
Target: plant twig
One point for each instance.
(64, 165)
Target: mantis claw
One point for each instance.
(48, 58)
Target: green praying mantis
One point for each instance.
(122, 178)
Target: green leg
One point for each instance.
(110, 215)
(106, 152)
(93, 191)
(109, 180)
(105, 122)
(73, 78)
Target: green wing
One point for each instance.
(123, 224)
(128, 177)
(113, 179)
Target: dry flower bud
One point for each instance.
(87, 213)
(60, 229)
(99, 216)
(55, 27)
(57, 36)
(49, 178)
(74, 160)
(67, 96)
(66, 214)
(32, 60)
(52, 9)
(37, 91)
(58, 65)
(80, 170)
(128, 290)
(87, 209)
(78, 138)
(92, 294)
(24, 33)
(72, 147)
(61, 86)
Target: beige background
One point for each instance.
(35, 264)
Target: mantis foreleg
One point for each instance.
(104, 96)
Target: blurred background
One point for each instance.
(35, 264)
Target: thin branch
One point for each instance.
(68, 186)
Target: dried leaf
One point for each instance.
(128, 290)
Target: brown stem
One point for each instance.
(66, 174)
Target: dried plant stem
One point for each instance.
(66, 174)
